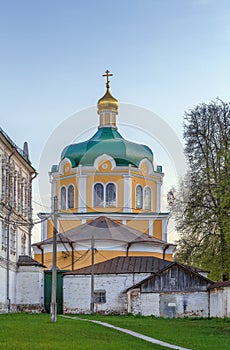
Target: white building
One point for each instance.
(16, 175)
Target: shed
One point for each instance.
(174, 291)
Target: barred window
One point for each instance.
(99, 296)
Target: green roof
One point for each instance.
(107, 140)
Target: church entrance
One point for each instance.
(48, 290)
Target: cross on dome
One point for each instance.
(107, 75)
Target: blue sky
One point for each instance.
(166, 55)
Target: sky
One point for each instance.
(165, 55)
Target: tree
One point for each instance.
(201, 205)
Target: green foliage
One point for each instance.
(201, 205)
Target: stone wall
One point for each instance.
(170, 305)
(77, 292)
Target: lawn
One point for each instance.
(35, 331)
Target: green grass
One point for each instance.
(35, 331)
(195, 334)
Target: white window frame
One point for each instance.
(67, 197)
(104, 194)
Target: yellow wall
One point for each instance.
(143, 182)
(141, 225)
(83, 258)
(65, 225)
(157, 229)
(91, 180)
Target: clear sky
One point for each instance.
(166, 56)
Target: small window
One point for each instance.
(63, 198)
(147, 198)
(71, 196)
(98, 195)
(110, 195)
(23, 245)
(4, 236)
(99, 296)
(13, 239)
(139, 197)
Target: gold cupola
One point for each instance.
(107, 106)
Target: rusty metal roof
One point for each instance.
(220, 284)
(25, 260)
(125, 264)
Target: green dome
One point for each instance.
(107, 140)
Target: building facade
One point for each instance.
(110, 176)
(16, 175)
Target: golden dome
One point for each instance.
(107, 102)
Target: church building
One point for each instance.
(108, 190)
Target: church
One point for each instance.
(108, 190)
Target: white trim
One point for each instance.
(62, 164)
(82, 193)
(151, 228)
(67, 196)
(104, 157)
(158, 196)
(148, 164)
(127, 194)
(164, 229)
(44, 229)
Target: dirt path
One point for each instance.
(134, 334)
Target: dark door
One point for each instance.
(48, 290)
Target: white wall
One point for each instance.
(3, 288)
(194, 304)
(77, 292)
(30, 288)
(220, 302)
(150, 304)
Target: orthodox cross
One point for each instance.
(107, 75)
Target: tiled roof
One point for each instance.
(125, 264)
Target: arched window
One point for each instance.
(110, 195)
(63, 198)
(71, 196)
(23, 245)
(147, 198)
(139, 197)
(98, 195)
